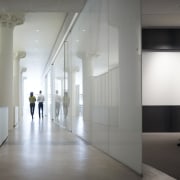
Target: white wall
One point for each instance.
(161, 78)
(106, 38)
(3, 124)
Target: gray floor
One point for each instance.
(160, 150)
(40, 150)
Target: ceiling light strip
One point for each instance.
(53, 57)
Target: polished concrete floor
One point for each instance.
(160, 150)
(41, 150)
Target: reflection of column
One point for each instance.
(67, 85)
(62, 87)
(21, 91)
(87, 74)
(16, 81)
(52, 87)
(74, 91)
(7, 24)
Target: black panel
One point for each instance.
(161, 118)
(175, 116)
(161, 39)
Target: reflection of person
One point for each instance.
(66, 101)
(32, 100)
(57, 104)
(40, 99)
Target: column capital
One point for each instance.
(20, 55)
(11, 19)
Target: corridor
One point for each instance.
(41, 150)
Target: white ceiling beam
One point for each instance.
(41, 5)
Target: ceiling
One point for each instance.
(161, 13)
(44, 20)
(36, 38)
(41, 5)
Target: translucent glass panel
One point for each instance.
(104, 62)
(59, 86)
(48, 92)
(61, 83)
(67, 97)
(75, 81)
(125, 141)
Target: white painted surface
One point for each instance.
(106, 38)
(6, 69)
(125, 141)
(3, 124)
(161, 78)
(16, 115)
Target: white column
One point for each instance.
(21, 91)
(16, 84)
(7, 24)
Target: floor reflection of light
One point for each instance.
(80, 125)
(49, 134)
(36, 131)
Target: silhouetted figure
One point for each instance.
(57, 104)
(32, 100)
(40, 99)
(66, 101)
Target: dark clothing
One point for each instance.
(32, 107)
(40, 107)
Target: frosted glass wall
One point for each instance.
(48, 92)
(161, 78)
(62, 88)
(58, 89)
(104, 47)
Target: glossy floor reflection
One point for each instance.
(40, 150)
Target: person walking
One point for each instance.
(57, 104)
(32, 100)
(40, 99)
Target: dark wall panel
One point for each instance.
(161, 39)
(161, 118)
